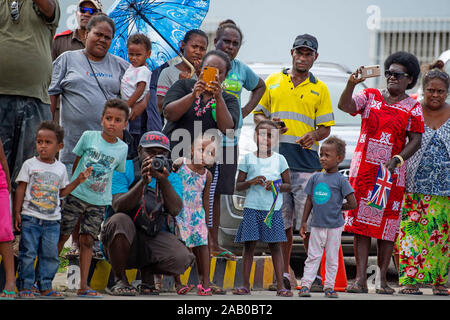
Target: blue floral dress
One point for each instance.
(191, 220)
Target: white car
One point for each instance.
(347, 128)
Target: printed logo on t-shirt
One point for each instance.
(321, 193)
(233, 84)
(101, 165)
(44, 192)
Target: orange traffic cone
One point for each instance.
(341, 277)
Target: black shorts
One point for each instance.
(227, 171)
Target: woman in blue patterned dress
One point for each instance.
(423, 239)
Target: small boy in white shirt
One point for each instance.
(42, 180)
(135, 82)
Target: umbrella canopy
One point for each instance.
(164, 22)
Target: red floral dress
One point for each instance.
(383, 135)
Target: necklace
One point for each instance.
(199, 111)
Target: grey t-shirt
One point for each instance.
(328, 191)
(82, 100)
(167, 78)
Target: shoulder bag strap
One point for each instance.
(93, 72)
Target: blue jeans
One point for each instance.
(39, 238)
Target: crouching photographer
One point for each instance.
(138, 235)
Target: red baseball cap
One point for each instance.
(155, 139)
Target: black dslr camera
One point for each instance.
(159, 162)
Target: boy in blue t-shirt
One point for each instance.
(104, 152)
(326, 192)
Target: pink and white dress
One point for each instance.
(6, 233)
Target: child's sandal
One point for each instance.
(330, 293)
(304, 292)
(203, 292)
(241, 291)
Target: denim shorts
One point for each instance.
(20, 117)
(294, 201)
(91, 216)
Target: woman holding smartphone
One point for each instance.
(391, 132)
(193, 106)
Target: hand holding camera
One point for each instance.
(157, 167)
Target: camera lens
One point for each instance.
(158, 164)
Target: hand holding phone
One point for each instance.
(209, 74)
(370, 71)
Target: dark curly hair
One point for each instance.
(339, 144)
(225, 25)
(436, 70)
(99, 18)
(117, 104)
(409, 61)
(193, 32)
(140, 38)
(221, 55)
(52, 126)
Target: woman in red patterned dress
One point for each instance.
(389, 116)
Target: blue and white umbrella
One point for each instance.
(164, 22)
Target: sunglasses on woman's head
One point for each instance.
(397, 75)
(88, 10)
(437, 74)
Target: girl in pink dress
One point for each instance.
(6, 233)
(192, 219)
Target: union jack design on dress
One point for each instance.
(380, 192)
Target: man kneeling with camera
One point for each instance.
(137, 235)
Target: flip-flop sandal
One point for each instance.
(35, 290)
(52, 295)
(5, 294)
(284, 293)
(216, 289)
(145, 289)
(72, 253)
(203, 292)
(386, 290)
(355, 288)
(226, 254)
(410, 291)
(89, 294)
(121, 288)
(330, 293)
(241, 291)
(184, 290)
(440, 292)
(26, 294)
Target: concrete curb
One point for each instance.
(224, 273)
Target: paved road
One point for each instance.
(269, 296)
